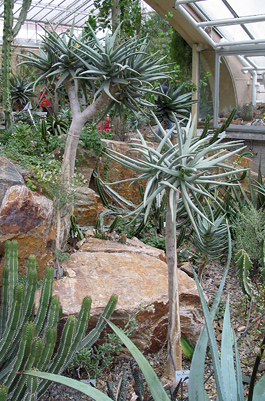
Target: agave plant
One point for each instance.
(186, 170)
(174, 102)
(21, 92)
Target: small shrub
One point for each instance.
(249, 231)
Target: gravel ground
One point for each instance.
(248, 346)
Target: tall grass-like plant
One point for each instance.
(183, 170)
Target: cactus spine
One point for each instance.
(27, 342)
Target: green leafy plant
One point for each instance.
(56, 125)
(212, 242)
(27, 338)
(175, 101)
(228, 381)
(23, 141)
(249, 231)
(21, 92)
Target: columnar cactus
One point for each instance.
(27, 339)
(9, 33)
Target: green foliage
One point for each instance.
(23, 141)
(175, 102)
(181, 53)
(125, 73)
(27, 339)
(249, 231)
(129, 13)
(244, 265)
(187, 348)
(95, 360)
(229, 384)
(56, 125)
(100, 357)
(21, 92)
(91, 138)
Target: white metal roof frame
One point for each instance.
(234, 35)
(58, 12)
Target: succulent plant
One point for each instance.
(247, 112)
(174, 102)
(27, 339)
(21, 92)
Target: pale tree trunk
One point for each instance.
(174, 352)
(115, 14)
(79, 118)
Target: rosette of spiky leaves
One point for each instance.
(56, 125)
(21, 92)
(174, 101)
(100, 64)
(213, 240)
(188, 167)
(57, 56)
(129, 66)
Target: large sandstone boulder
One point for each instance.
(138, 275)
(28, 218)
(113, 171)
(9, 175)
(87, 207)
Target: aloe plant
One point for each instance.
(174, 102)
(20, 91)
(186, 170)
(112, 75)
(213, 241)
(27, 339)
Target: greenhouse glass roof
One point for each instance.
(230, 27)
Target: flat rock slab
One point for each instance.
(140, 281)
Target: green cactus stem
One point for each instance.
(27, 342)
(3, 392)
(9, 33)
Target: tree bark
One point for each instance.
(79, 118)
(174, 352)
(78, 121)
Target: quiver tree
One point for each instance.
(185, 172)
(9, 33)
(108, 75)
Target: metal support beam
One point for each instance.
(195, 80)
(216, 90)
(233, 21)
